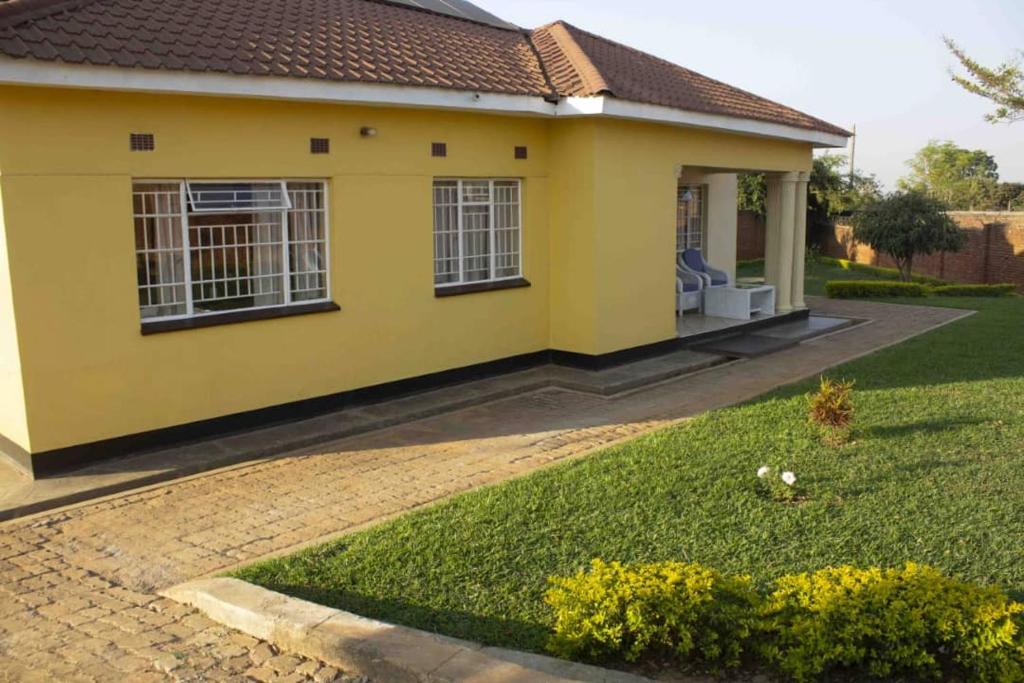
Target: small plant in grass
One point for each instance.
(831, 409)
(778, 484)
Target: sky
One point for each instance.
(879, 64)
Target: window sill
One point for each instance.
(474, 287)
(232, 317)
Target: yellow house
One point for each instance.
(215, 213)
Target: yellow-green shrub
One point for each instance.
(866, 289)
(909, 621)
(627, 612)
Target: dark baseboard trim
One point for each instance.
(60, 460)
(603, 361)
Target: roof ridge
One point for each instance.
(15, 12)
(577, 57)
(420, 8)
(680, 67)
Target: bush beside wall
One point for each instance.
(973, 290)
(867, 289)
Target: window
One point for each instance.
(209, 247)
(477, 231)
(690, 218)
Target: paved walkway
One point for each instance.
(78, 586)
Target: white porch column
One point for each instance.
(780, 238)
(773, 227)
(800, 241)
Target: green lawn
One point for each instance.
(819, 271)
(935, 475)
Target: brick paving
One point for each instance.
(78, 586)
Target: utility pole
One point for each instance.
(853, 153)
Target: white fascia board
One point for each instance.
(56, 74)
(615, 108)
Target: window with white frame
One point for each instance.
(690, 218)
(477, 231)
(205, 247)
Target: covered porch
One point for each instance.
(710, 300)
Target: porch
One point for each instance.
(694, 326)
(706, 248)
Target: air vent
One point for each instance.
(521, 153)
(319, 145)
(439, 149)
(141, 142)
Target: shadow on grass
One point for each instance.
(920, 427)
(521, 635)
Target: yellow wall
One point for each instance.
(636, 169)
(13, 424)
(90, 374)
(573, 248)
(598, 209)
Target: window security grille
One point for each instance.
(217, 197)
(690, 218)
(477, 231)
(207, 247)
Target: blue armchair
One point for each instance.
(693, 262)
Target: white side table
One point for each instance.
(739, 303)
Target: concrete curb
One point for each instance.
(378, 650)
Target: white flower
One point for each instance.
(763, 472)
(789, 478)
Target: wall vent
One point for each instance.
(521, 153)
(439, 149)
(319, 145)
(141, 142)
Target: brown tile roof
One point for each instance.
(371, 41)
(338, 40)
(581, 63)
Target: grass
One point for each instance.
(934, 475)
(821, 269)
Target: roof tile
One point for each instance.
(375, 41)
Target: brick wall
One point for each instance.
(994, 252)
(749, 236)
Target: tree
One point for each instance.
(830, 193)
(960, 178)
(751, 193)
(1008, 197)
(833, 192)
(1003, 85)
(907, 224)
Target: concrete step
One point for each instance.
(773, 338)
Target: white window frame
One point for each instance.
(492, 266)
(195, 197)
(185, 201)
(683, 231)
